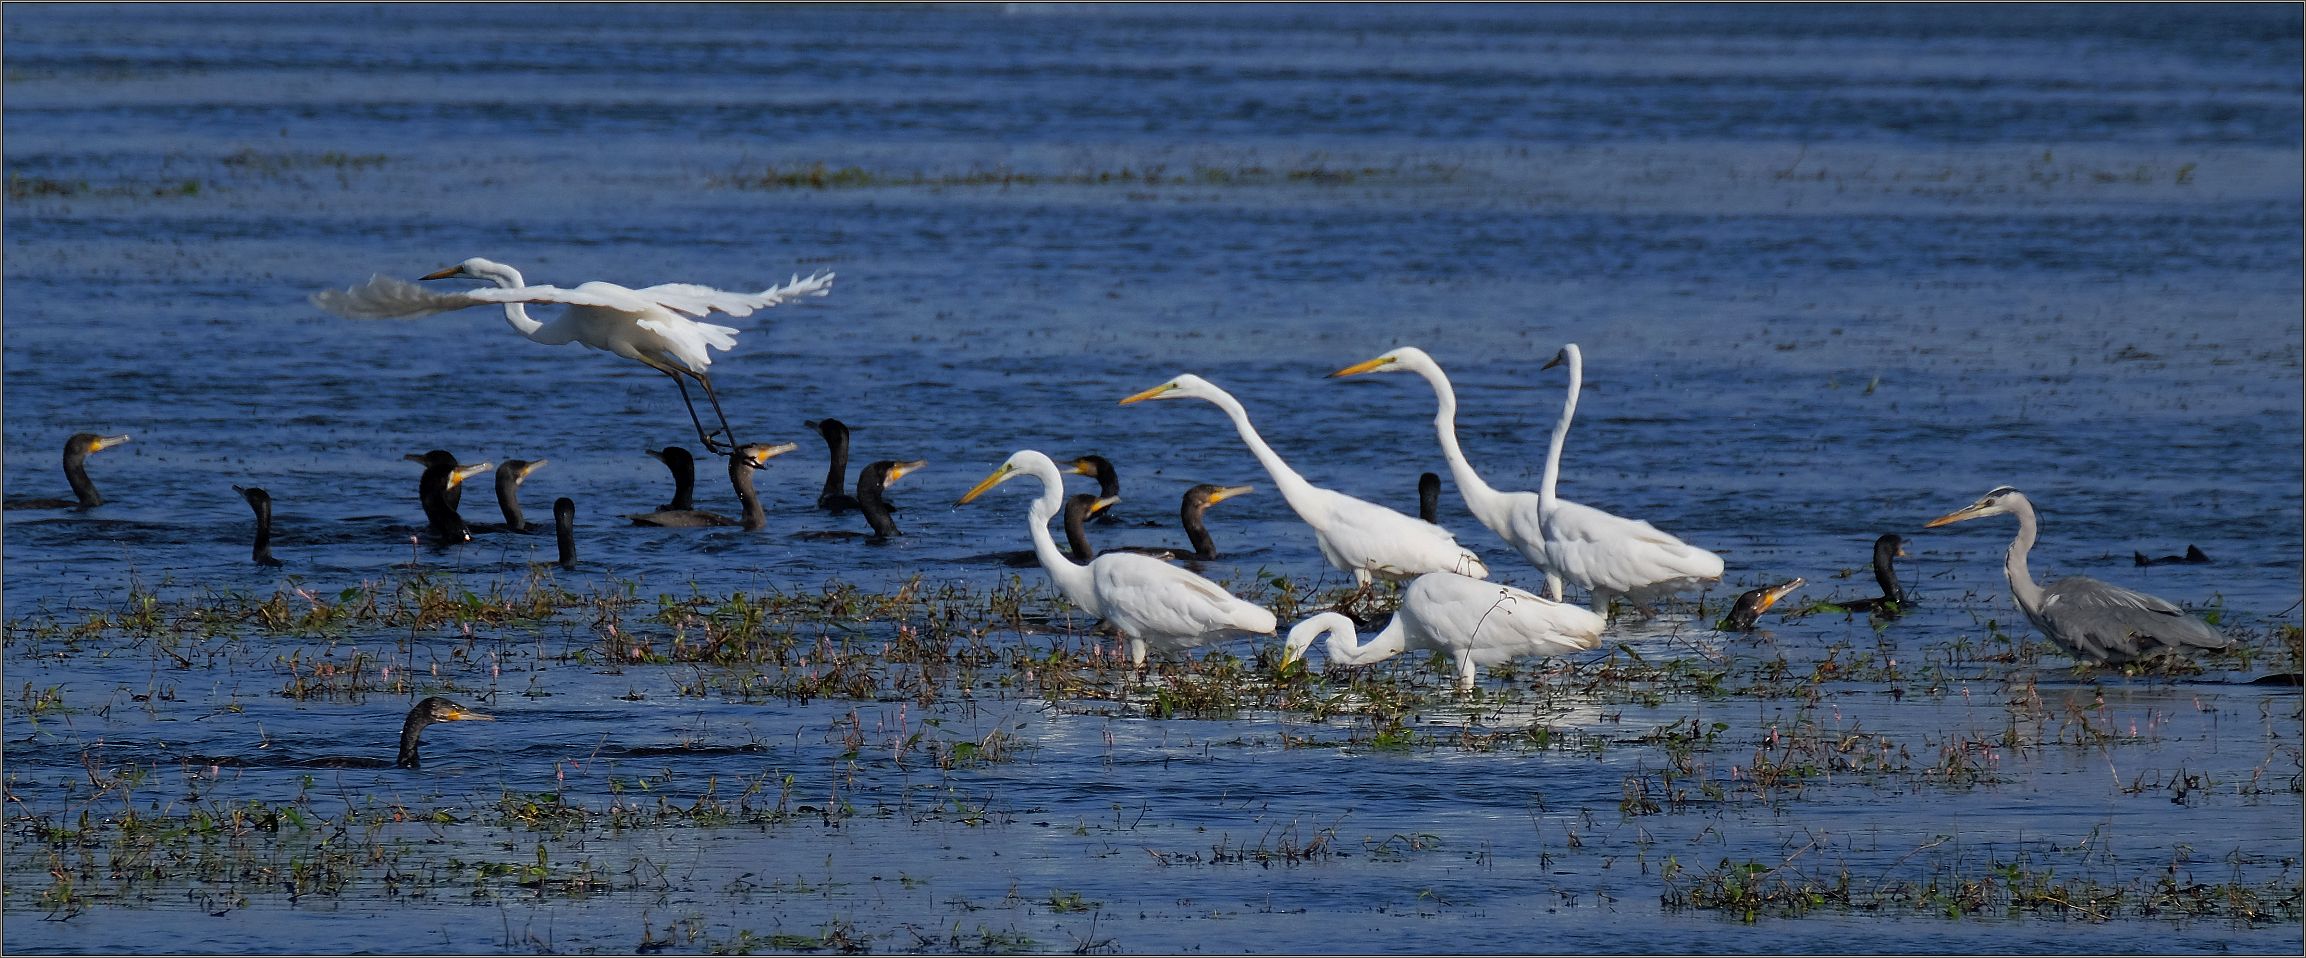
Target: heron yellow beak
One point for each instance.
(1368, 367)
(455, 714)
(999, 476)
(458, 475)
(1153, 393)
(443, 273)
(1971, 511)
(1229, 492)
(903, 469)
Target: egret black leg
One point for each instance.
(710, 444)
(716, 401)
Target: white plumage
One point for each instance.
(1156, 606)
(1355, 535)
(1475, 623)
(651, 326)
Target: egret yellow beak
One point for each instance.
(1229, 492)
(999, 476)
(1153, 393)
(1368, 367)
(458, 475)
(444, 273)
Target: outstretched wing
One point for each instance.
(384, 297)
(695, 300)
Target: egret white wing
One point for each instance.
(1365, 535)
(1495, 622)
(696, 300)
(384, 297)
(1168, 607)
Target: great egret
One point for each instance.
(1891, 603)
(1605, 554)
(742, 461)
(1191, 510)
(683, 466)
(1155, 606)
(872, 500)
(1429, 496)
(1355, 535)
(650, 326)
(76, 450)
(1475, 623)
(2194, 556)
(508, 479)
(260, 502)
(836, 436)
(564, 530)
(1751, 603)
(436, 491)
(2089, 619)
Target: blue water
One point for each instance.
(1835, 270)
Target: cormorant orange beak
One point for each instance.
(1229, 492)
(903, 469)
(458, 475)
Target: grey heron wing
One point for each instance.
(2122, 623)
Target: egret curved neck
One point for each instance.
(1545, 489)
(515, 314)
(1479, 496)
(1293, 486)
(1072, 579)
(1346, 648)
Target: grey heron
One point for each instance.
(2091, 620)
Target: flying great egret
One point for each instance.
(1473, 622)
(1355, 535)
(84, 494)
(651, 326)
(1605, 554)
(1155, 606)
(2089, 619)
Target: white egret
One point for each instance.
(1606, 554)
(1355, 535)
(1475, 623)
(651, 326)
(1156, 606)
(84, 494)
(2091, 620)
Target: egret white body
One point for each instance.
(650, 326)
(1156, 606)
(1475, 623)
(2091, 620)
(1355, 535)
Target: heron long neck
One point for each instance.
(515, 314)
(1345, 647)
(1545, 493)
(508, 500)
(741, 476)
(1293, 487)
(1071, 578)
(409, 731)
(2022, 586)
(76, 473)
(1195, 532)
(1480, 498)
